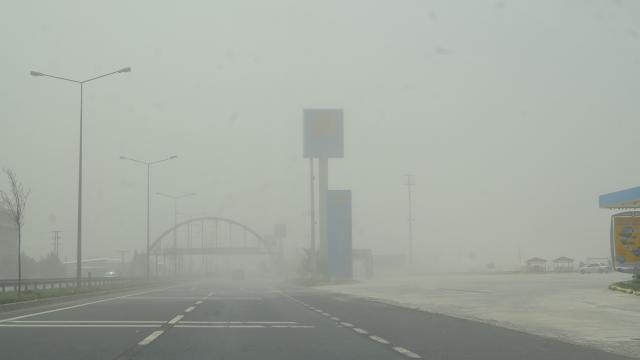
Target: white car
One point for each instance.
(110, 274)
(595, 268)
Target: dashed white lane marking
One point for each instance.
(189, 309)
(379, 339)
(360, 331)
(198, 302)
(406, 352)
(375, 338)
(175, 319)
(154, 335)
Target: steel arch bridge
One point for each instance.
(206, 237)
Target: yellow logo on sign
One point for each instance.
(627, 239)
(324, 127)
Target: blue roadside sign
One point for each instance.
(339, 233)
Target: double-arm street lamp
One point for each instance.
(175, 222)
(148, 164)
(81, 83)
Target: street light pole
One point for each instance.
(175, 236)
(148, 164)
(79, 242)
(410, 184)
(81, 83)
(312, 214)
(175, 223)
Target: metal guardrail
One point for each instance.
(40, 284)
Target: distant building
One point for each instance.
(536, 264)
(8, 246)
(563, 264)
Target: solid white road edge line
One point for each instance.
(83, 304)
(85, 321)
(81, 325)
(204, 326)
(240, 322)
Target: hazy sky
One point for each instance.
(513, 115)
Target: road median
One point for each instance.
(630, 287)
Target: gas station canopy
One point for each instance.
(623, 199)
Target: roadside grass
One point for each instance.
(30, 295)
(630, 286)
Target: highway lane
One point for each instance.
(256, 320)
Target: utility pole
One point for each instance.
(312, 214)
(56, 243)
(410, 184)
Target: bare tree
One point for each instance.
(15, 202)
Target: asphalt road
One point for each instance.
(259, 320)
